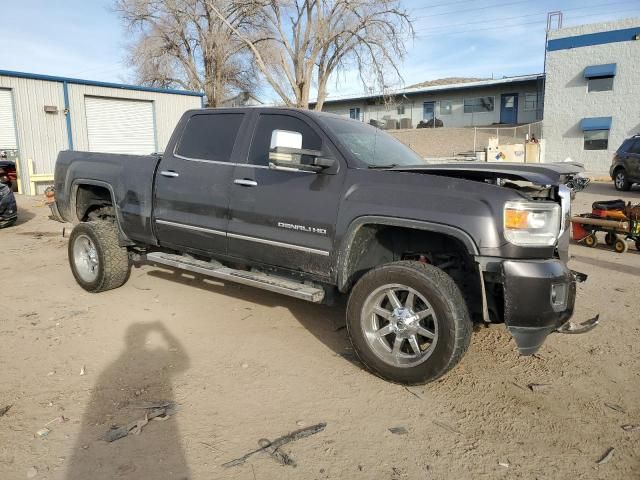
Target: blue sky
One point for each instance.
(471, 38)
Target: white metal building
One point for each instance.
(41, 115)
(592, 91)
(509, 100)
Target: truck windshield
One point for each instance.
(371, 145)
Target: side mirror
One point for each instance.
(286, 153)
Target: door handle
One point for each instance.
(245, 182)
(169, 173)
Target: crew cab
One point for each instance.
(316, 206)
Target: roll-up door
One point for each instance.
(115, 125)
(7, 123)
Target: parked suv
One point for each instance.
(625, 166)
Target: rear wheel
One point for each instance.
(408, 322)
(620, 245)
(97, 260)
(620, 180)
(638, 244)
(591, 240)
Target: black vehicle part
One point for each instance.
(453, 331)
(97, 260)
(8, 207)
(539, 297)
(609, 205)
(620, 180)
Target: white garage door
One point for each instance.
(7, 125)
(120, 126)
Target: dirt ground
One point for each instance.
(244, 364)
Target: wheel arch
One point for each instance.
(361, 237)
(88, 195)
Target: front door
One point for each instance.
(428, 111)
(193, 184)
(284, 218)
(509, 108)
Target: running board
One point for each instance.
(254, 279)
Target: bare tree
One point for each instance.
(183, 43)
(301, 43)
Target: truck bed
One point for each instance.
(129, 177)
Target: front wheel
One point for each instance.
(97, 260)
(408, 322)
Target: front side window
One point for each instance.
(479, 105)
(267, 124)
(601, 84)
(596, 140)
(530, 101)
(371, 145)
(210, 136)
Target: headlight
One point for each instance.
(531, 223)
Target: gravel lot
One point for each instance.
(245, 364)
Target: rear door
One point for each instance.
(632, 159)
(285, 218)
(193, 181)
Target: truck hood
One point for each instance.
(539, 174)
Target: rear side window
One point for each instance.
(210, 137)
(635, 147)
(627, 146)
(267, 123)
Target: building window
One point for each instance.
(401, 110)
(446, 107)
(596, 140)
(478, 105)
(601, 84)
(354, 113)
(530, 101)
(600, 77)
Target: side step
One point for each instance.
(254, 279)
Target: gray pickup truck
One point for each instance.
(319, 207)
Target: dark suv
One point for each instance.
(625, 167)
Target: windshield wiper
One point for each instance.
(391, 165)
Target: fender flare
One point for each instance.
(75, 186)
(355, 225)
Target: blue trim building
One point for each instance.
(53, 113)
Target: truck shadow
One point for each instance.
(142, 375)
(324, 322)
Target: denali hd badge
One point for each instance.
(302, 228)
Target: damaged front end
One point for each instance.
(533, 296)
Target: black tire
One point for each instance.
(439, 289)
(620, 245)
(113, 265)
(610, 239)
(591, 240)
(638, 244)
(620, 180)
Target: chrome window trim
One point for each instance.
(245, 237)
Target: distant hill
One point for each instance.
(446, 81)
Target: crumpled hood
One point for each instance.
(539, 174)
